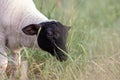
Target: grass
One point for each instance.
(93, 41)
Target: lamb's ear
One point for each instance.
(67, 28)
(31, 29)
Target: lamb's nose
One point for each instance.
(61, 56)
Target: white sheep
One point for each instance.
(20, 22)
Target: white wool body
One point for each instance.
(14, 15)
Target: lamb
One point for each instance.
(22, 25)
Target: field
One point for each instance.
(93, 42)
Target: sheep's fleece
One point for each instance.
(14, 15)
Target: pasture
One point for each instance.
(93, 42)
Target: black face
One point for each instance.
(51, 38)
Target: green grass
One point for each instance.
(93, 42)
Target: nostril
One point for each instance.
(62, 57)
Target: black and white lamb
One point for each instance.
(22, 25)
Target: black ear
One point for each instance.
(31, 29)
(67, 28)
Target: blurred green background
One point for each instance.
(93, 42)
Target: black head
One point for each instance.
(51, 38)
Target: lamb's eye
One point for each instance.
(49, 34)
